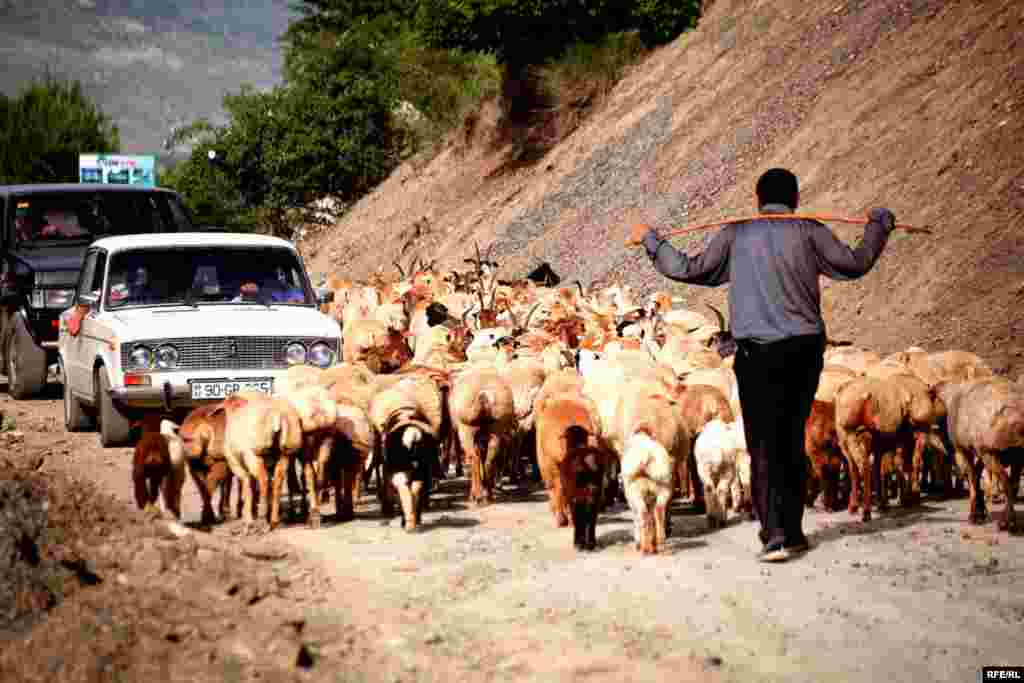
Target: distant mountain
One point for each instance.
(149, 65)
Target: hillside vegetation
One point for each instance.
(915, 105)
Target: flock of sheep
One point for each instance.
(605, 395)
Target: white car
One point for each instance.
(170, 321)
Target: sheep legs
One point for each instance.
(964, 460)
(858, 455)
(997, 473)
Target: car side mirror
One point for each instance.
(324, 296)
(91, 299)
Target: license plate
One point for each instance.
(222, 388)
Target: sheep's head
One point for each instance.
(437, 313)
(722, 341)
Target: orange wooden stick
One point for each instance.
(825, 218)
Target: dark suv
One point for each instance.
(44, 233)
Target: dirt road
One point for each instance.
(500, 594)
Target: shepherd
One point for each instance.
(775, 318)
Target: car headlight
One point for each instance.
(295, 353)
(167, 357)
(141, 357)
(321, 355)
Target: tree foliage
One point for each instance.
(46, 127)
(526, 32)
(330, 130)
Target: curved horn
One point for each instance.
(400, 270)
(580, 286)
(515, 318)
(721, 318)
(529, 316)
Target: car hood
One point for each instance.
(230, 320)
(50, 259)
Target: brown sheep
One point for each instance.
(824, 458)
(202, 433)
(571, 460)
(158, 465)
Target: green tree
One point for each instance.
(46, 127)
(524, 33)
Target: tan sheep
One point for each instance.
(355, 442)
(259, 427)
(317, 413)
(832, 377)
(874, 416)
(482, 406)
(985, 420)
(650, 438)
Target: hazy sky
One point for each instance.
(150, 64)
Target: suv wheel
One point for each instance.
(75, 417)
(115, 427)
(26, 365)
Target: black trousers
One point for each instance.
(777, 382)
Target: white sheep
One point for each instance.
(723, 462)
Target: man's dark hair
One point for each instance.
(777, 186)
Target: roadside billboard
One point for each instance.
(117, 169)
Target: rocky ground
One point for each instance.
(94, 590)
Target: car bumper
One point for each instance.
(171, 391)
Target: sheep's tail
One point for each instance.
(481, 409)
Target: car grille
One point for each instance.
(212, 353)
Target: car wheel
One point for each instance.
(75, 417)
(115, 427)
(26, 365)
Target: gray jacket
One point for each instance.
(773, 266)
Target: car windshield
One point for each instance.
(55, 219)
(197, 276)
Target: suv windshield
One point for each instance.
(42, 220)
(196, 276)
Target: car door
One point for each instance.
(80, 350)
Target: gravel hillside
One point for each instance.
(910, 105)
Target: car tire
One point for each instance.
(26, 364)
(115, 427)
(75, 417)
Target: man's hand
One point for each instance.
(883, 216)
(636, 234)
